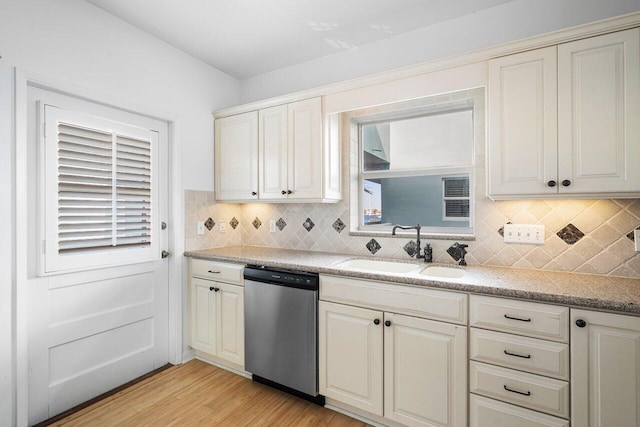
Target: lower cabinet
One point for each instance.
(492, 413)
(217, 320)
(605, 369)
(406, 369)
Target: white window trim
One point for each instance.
(51, 261)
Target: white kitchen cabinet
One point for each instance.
(350, 356)
(425, 367)
(217, 311)
(287, 156)
(519, 355)
(203, 315)
(425, 371)
(605, 369)
(523, 149)
(290, 144)
(563, 120)
(492, 413)
(236, 157)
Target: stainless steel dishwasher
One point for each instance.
(281, 329)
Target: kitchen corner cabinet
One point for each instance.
(217, 311)
(563, 120)
(605, 369)
(404, 368)
(284, 157)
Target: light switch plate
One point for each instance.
(524, 233)
(200, 228)
(272, 226)
(636, 239)
(222, 226)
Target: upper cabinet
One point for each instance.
(277, 154)
(563, 120)
(236, 157)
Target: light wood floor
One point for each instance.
(198, 394)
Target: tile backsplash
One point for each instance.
(605, 245)
(585, 236)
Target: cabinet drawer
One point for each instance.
(492, 413)
(527, 354)
(421, 302)
(520, 317)
(220, 271)
(528, 390)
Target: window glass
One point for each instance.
(417, 169)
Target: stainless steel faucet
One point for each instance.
(427, 255)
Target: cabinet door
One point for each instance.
(425, 372)
(236, 157)
(522, 149)
(598, 110)
(305, 149)
(230, 323)
(273, 140)
(350, 345)
(492, 413)
(605, 370)
(203, 315)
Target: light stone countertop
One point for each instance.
(573, 289)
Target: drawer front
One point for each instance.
(528, 390)
(520, 317)
(492, 413)
(421, 302)
(219, 271)
(527, 354)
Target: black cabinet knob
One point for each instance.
(253, 193)
(387, 323)
(283, 192)
(211, 288)
(551, 183)
(376, 322)
(216, 289)
(289, 191)
(581, 323)
(566, 183)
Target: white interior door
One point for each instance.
(93, 327)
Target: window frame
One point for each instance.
(466, 104)
(53, 262)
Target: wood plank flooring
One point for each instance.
(198, 394)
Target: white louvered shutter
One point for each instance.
(456, 199)
(99, 184)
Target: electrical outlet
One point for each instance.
(200, 227)
(222, 226)
(636, 239)
(272, 226)
(524, 233)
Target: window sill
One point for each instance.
(406, 234)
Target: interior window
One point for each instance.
(417, 167)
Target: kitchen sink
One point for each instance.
(436, 271)
(378, 266)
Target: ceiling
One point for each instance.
(244, 38)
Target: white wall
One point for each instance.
(506, 22)
(76, 43)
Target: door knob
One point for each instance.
(165, 254)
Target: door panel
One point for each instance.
(93, 330)
(230, 323)
(305, 149)
(425, 372)
(351, 355)
(203, 315)
(598, 107)
(272, 156)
